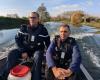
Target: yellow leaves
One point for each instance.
(76, 18)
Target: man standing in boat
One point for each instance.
(31, 40)
(63, 56)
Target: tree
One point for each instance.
(44, 15)
(25, 18)
(13, 15)
(76, 18)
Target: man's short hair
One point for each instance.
(34, 13)
(65, 25)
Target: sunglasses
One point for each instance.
(33, 17)
(64, 31)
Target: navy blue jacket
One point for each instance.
(76, 57)
(35, 38)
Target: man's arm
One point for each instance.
(49, 55)
(19, 40)
(76, 59)
(46, 37)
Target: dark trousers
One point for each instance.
(37, 65)
(13, 60)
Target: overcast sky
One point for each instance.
(54, 7)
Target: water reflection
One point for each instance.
(7, 35)
(1, 34)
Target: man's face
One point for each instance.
(33, 19)
(64, 33)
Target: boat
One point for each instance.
(82, 75)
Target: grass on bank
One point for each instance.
(92, 24)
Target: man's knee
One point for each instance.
(74, 76)
(37, 55)
(13, 53)
(49, 75)
(13, 56)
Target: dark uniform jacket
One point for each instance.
(32, 39)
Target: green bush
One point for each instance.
(9, 23)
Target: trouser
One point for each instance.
(13, 60)
(37, 65)
(50, 76)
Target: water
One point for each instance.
(89, 43)
(86, 36)
(52, 28)
(6, 41)
(7, 35)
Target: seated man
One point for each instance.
(63, 56)
(31, 41)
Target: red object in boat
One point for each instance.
(20, 70)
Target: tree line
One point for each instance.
(76, 18)
(9, 23)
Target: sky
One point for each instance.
(54, 7)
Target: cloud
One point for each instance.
(49, 3)
(94, 14)
(4, 12)
(89, 3)
(52, 1)
(60, 9)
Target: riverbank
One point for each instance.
(10, 23)
(92, 24)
